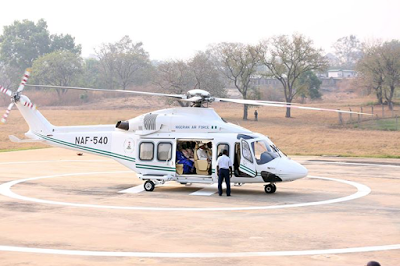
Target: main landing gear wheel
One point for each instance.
(270, 188)
(149, 185)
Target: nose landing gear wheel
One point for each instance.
(149, 185)
(270, 188)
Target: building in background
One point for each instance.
(342, 73)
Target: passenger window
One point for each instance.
(146, 151)
(164, 151)
(221, 147)
(246, 151)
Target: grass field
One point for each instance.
(307, 133)
(388, 124)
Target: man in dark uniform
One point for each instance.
(255, 115)
(224, 171)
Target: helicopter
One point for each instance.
(151, 144)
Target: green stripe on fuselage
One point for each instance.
(88, 149)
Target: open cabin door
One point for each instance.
(247, 160)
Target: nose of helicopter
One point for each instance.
(291, 170)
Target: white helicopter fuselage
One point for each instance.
(149, 145)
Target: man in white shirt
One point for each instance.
(202, 153)
(224, 171)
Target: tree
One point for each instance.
(206, 73)
(348, 51)
(390, 54)
(59, 68)
(199, 72)
(175, 77)
(91, 74)
(287, 58)
(380, 66)
(309, 85)
(238, 62)
(23, 42)
(7, 74)
(371, 70)
(121, 61)
(64, 43)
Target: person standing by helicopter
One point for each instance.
(255, 115)
(224, 171)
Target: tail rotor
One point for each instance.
(24, 80)
(5, 116)
(5, 91)
(16, 96)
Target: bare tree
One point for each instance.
(371, 70)
(199, 72)
(380, 67)
(348, 51)
(390, 54)
(175, 77)
(206, 73)
(238, 62)
(121, 61)
(287, 58)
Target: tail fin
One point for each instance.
(36, 121)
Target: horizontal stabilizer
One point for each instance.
(17, 140)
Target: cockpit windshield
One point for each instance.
(264, 151)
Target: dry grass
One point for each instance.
(307, 133)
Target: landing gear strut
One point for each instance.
(149, 185)
(270, 188)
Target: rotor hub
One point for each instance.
(198, 97)
(15, 97)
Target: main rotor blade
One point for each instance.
(262, 103)
(24, 80)
(5, 91)
(5, 116)
(279, 102)
(176, 96)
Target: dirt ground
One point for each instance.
(33, 218)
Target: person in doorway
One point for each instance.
(224, 171)
(255, 115)
(188, 165)
(186, 152)
(202, 153)
(189, 149)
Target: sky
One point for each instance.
(176, 29)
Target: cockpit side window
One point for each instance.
(259, 148)
(263, 152)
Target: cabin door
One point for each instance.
(247, 160)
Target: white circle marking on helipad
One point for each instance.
(5, 189)
(362, 190)
(198, 255)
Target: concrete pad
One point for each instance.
(351, 232)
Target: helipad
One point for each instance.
(58, 208)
